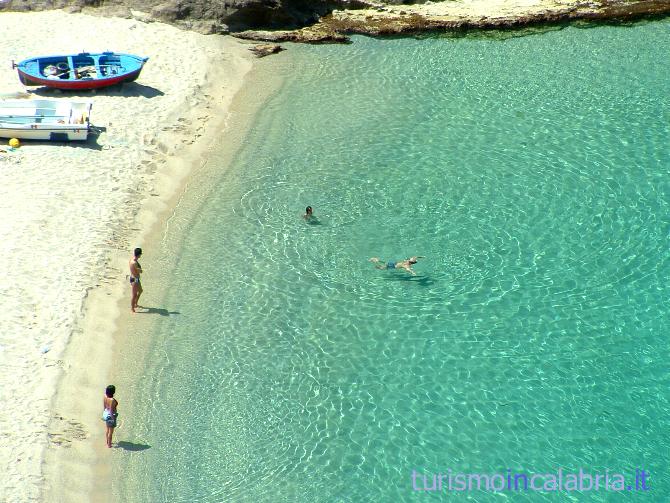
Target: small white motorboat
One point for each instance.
(54, 120)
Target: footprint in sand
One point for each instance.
(66, 431)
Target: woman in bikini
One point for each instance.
(109, 414)
(135, 284)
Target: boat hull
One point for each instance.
(30, 80)
(44, 133)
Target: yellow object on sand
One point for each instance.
(14, 142)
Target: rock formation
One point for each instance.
(263, 50)
(332, 20)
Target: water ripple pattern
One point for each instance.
(532, 173)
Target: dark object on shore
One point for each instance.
(320, 34)
(263, 50)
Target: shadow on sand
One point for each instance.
(156, 310)
(131, 446)
(127, 90)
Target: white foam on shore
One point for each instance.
(68, 211)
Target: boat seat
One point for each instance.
(85, 72)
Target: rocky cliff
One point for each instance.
(221, 15)
(332, 20)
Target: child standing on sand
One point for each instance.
(109, 413)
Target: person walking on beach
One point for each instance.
(109, 413)
(135, 284)
(400, 264)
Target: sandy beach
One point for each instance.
(71, 214)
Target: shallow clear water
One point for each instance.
(533, 173)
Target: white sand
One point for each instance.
(68, 214)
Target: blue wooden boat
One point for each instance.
(80, 71)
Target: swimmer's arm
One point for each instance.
(408, 268)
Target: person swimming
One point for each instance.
(400, 264)
(309, 216)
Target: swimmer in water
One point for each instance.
(309, 216)
(400, 264)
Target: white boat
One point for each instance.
(45, 119)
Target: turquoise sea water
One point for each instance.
(533, 173)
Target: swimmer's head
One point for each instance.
(110, 390)
(412, 260)
(308, 210)
(137, 252)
